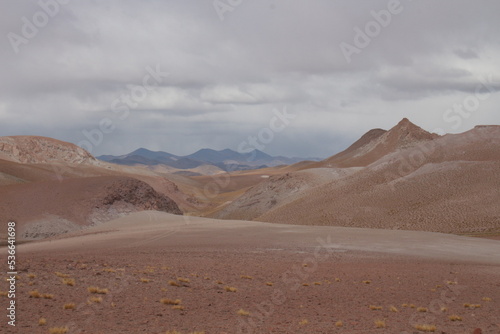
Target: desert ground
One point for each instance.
(159, 272)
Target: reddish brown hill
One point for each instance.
(375, 144)
(445, 185)
(41, 209)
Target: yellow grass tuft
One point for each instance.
(269, 283)
(61, 275)
(174, 283)
(31, 275)
(219, 282)
(95, 289)
(303, 322)
(404, 305)
(183, 280)
(68, 281)
(95, 299)
(58, 330)
(317, 283)
(145, 280)
(375, 308)
(167, 301)
(367, 282)
(246, 277)
(337, 279)
(393, 309)
(35, 294)
(42, 322)
(242, 312)
(412, 305)
(425, 328)
(472, 306)
(69, 306)
(455, 317)
(178, 307)
(305, 284)
(339, 324)
(230, 289)
(422, 309)
(380, 324)
(486, 299)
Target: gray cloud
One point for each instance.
(225, 78)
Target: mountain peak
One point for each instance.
(406, 133)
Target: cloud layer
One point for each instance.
(85, 71)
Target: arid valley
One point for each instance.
(399, 233)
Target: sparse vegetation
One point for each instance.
(183, 280)
(472, 306)
(69, 306)
(422, 309)
(36, 294)
(246, 277)
(339, 323)
(380, 323)
(145, 280)
(69, 281)
(42, 322)
(317, 283)
(455, 317)
(444, 309)
(269, 284)
(367, 282)
(337, 279)
(95, 299)
(303, 322)
(393, 309)
(97, 290)
(375, 308)
(305, 284)
(174, 283)
(58, 330)
(31, 276)
(242, 312)
(178, 307)
(167, 301)
(230, 289)
(486, 299)
(61, 275)
(425, 328)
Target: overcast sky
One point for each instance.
(178, 76)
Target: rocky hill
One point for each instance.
(38, 150)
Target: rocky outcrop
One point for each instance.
(39, 150)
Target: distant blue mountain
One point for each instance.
(225, 159)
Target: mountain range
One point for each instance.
(226, 160)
